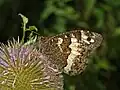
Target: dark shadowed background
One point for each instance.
(52, 17)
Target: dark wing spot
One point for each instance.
(88, 39)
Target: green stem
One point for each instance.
(24, 27)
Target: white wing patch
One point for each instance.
(85, 37)
(60, 41)
(74, 52)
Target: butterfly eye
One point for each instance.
(88, 39)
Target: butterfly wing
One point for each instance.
(70, 50)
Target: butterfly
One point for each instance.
(69, 51)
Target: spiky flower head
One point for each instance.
(22, 67)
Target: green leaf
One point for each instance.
(89, 4)
(25, 20)
(33, 28)
(117, 32)
(100, 17)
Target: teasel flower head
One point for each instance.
(22, 67)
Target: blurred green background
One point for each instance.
(52, 17)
